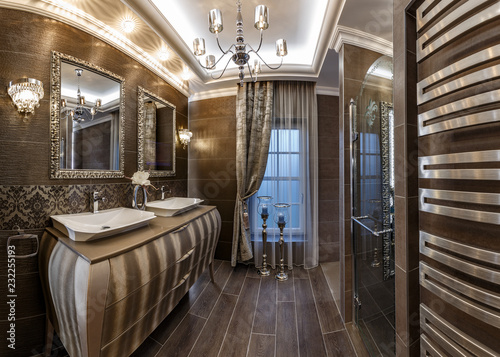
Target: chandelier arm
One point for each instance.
(220, 47)
(215, 64)
(268, 66)
(221, 57)
(227, 64)
(260, 44)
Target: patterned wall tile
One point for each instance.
(30, 207)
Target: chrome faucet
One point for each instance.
(163, 192)
(94, 201)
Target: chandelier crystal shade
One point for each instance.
(26, 94)
(240, 50)
(81, 111)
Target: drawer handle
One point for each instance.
(182, 228)
(183, 280)
(187, 255)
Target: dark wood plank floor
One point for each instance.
(243, 314)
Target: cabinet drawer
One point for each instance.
(138, 267)
(135, 333)
(127, 311)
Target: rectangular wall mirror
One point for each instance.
(87, 120)
(155, 134)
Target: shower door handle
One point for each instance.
(374, 232)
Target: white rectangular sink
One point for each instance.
(172, 206)
(88, 226)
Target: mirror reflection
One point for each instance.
(87, 116)
(90, 112)
(156, 134)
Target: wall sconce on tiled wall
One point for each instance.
(185, 137)
(26, 94)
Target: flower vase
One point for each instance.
(135, 204)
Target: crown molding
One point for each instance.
(330, 21)
(215, 93)
(83, 21)
(350, 36)
(228, 92)
(321, 90)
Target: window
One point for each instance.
(284, 181)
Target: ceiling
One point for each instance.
(308, 26)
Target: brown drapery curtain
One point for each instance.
(254, 105)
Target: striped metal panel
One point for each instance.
(450, 28)
(458, 90)
(425, 164)
(469, 62)
(449, 337)
(428, 348)
(422, 19)
(483, 198)
(483, 117)
(456, 107)
(452, 290)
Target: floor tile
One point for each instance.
(203, 306)
(308, 327)
(240, 328)
(265, 314)
(184, 337)
(244, 314)
(286, 331)
(328, 313)
(212, 336)
(262, 345)
(338, 344)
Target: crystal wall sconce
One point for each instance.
(26, 94)
(185, 137)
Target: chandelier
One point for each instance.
(240, 52)
(26, 94)
(80, 112)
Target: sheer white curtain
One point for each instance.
(291, 177)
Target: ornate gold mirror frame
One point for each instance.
(56, 172)
(148, 156)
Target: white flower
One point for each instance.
(141, 178)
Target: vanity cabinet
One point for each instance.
(105, 297)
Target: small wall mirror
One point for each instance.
(87, 120)
(155, 134)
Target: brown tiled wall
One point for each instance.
(212, 161)
(212, 164)
(27, 195)
(328, 175)
(354, 63)
(406, 184)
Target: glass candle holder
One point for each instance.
(281, 217)
(264, 208)
(265, 205)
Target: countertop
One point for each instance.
(105, 248)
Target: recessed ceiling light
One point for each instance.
(163, 54)
(128, 24)
(186, 74)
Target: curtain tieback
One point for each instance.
(243, 200)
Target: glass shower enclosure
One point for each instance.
(372, 221)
